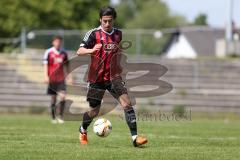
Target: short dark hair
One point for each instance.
(107, 11)
(57, 37)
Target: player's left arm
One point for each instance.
(68, 70)
(45, 67)
(88, 46)
(116, 69)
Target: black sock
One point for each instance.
(86, 121)
(53, 111)
(62, 106)
(131, 120)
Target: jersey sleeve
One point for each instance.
(117, 36)
(120, 36)
(88, 40)
(66, 57)
(45, 57)
(66, 61)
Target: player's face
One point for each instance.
(107, 23)
(57, 43)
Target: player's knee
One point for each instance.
(62, 96)
(62, 99)
(94, 112)
(126, 104)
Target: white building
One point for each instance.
(193, 42)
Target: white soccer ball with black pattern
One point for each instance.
(102, 127)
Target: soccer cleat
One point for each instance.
(83, 138)
(139, 141)
(60, 120)
(54, 121)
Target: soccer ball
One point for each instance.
(102, 127)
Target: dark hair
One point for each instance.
(57, 37)
(107, 11)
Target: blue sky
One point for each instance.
(215, 9)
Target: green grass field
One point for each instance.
(34, 137)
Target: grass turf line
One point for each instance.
(34, 137)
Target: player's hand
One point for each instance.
(85, 51)
(97, 47)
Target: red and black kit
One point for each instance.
(101, 74)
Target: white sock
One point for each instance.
(83, 130)
(134, 137)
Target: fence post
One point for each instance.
(23, 40)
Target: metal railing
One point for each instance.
(144, 41)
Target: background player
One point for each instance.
(99, 76)
(55, 60)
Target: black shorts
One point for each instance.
(96, 91)
(54, 87)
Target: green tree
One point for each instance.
(152, 14)
(53, 14)
(125, 12)
(201, 20)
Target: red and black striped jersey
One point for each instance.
(55, 60)
(105, 59)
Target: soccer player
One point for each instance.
(55, 61)
(99, 43)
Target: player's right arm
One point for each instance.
(45, 67)
(85, 51)
(88, 45)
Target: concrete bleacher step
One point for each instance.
(22, 97)
(192, 103)
(209, 92)
(30, 91)
(200, 84)
(16, 103)
(27, 85)
(189, 85)
(203, 97)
